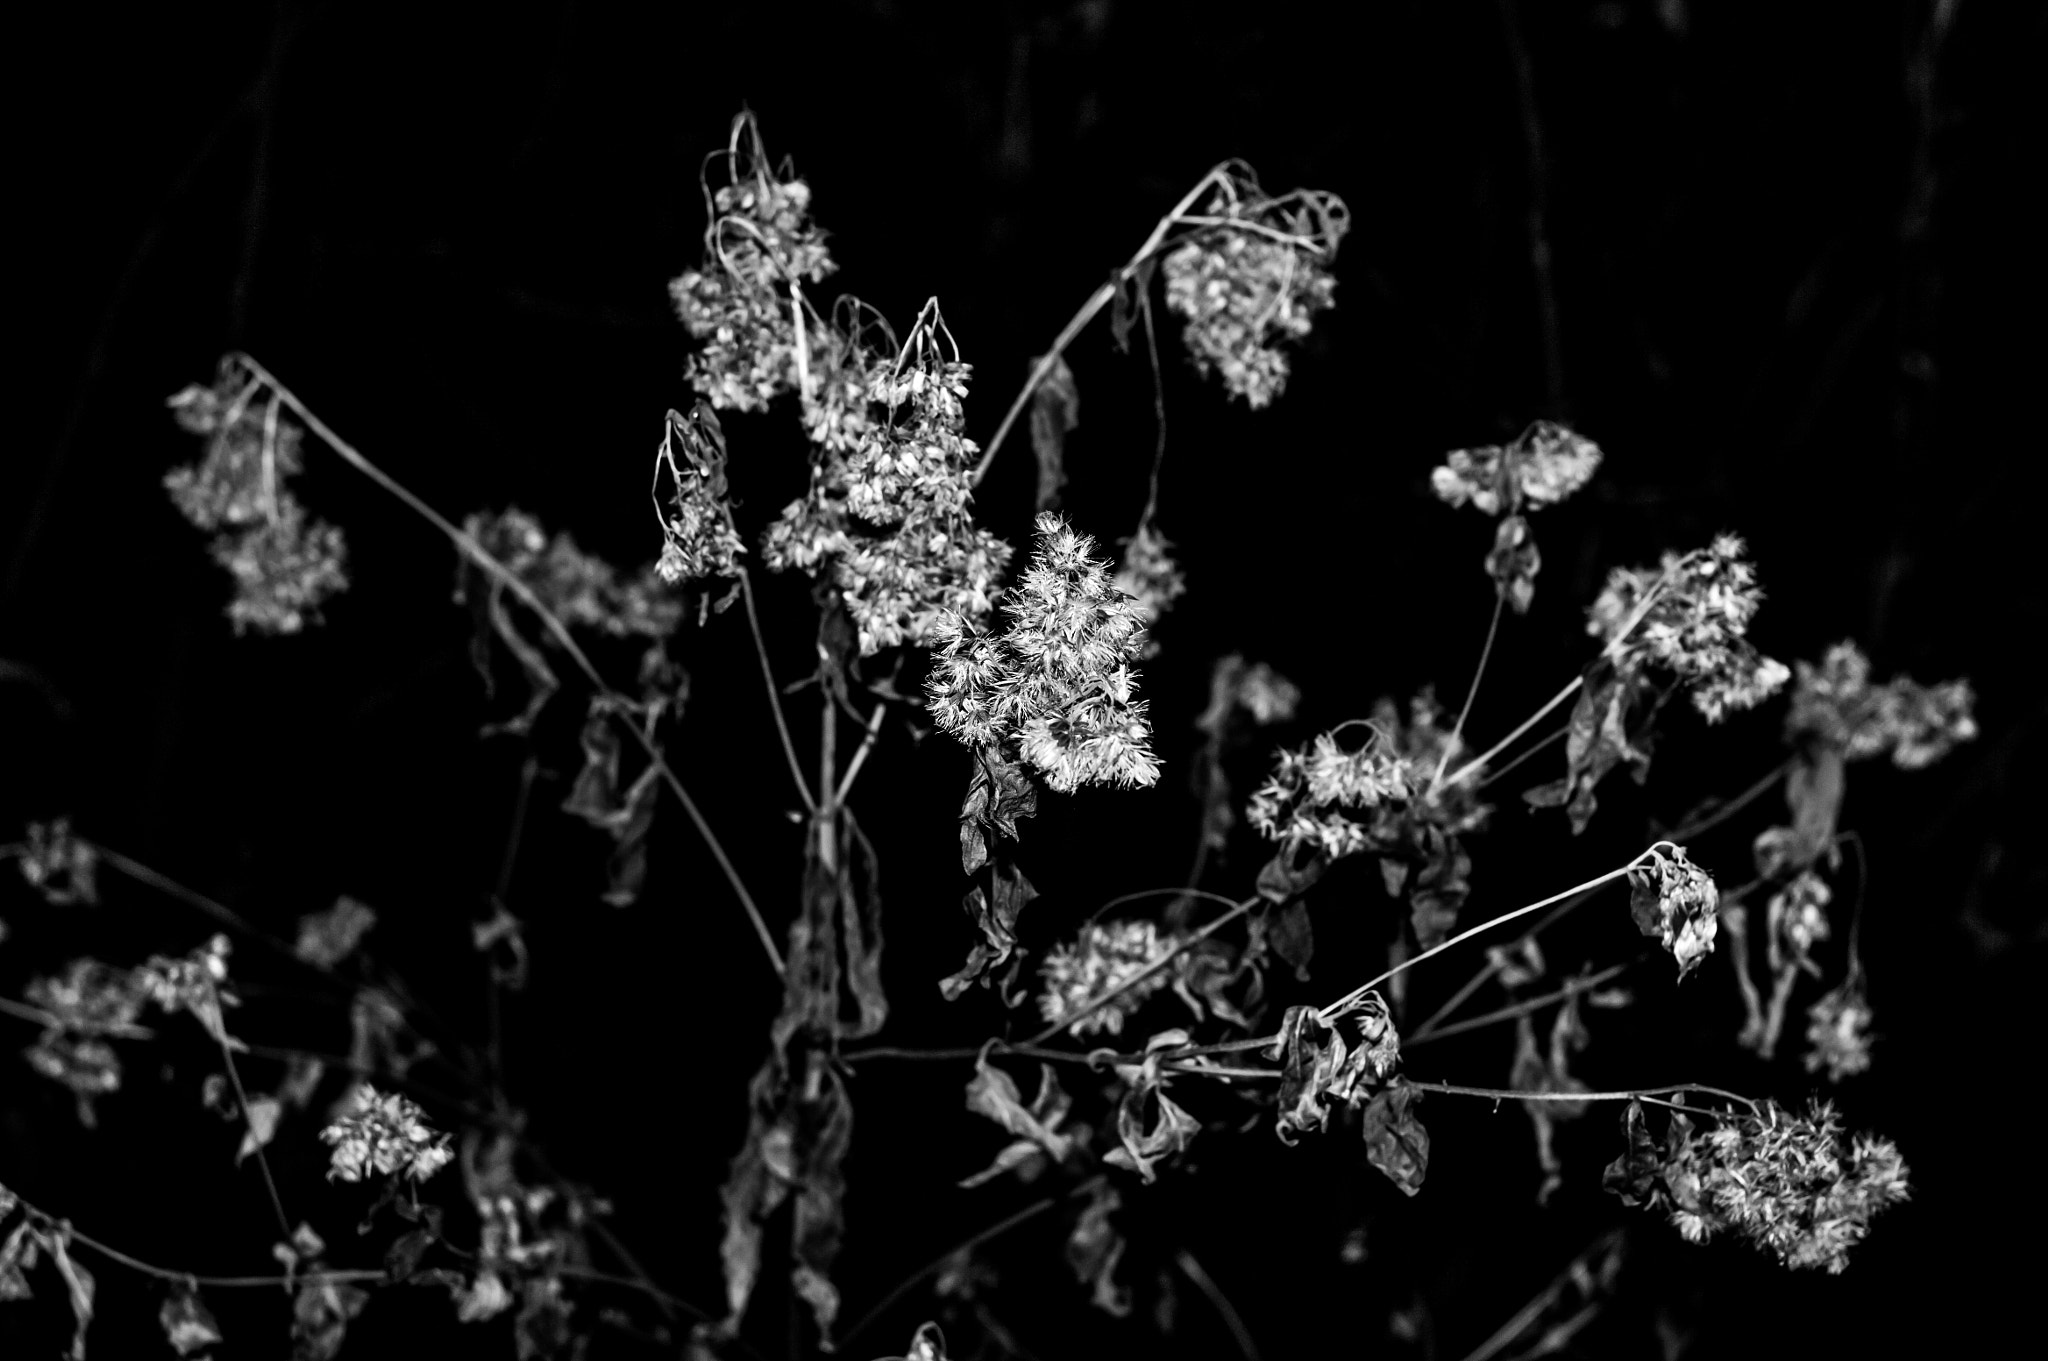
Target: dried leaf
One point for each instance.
(997, 920)
(1395, 1141)
(78, 1282)
(1320, 1066)
(187, 1323)
(263, 1113)
(1000, 793)
(860, 929)
(993, 1093)
(1130, 297)
(626, 815)
(1291, 872)
(1055, 412)
(1094, 1247)
(1292, 937)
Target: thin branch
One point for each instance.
(498, 572)
(1429, 1030)
(1192, 1269)
(1506, 1334)
(860, 755)
(796, 770)
(903, 1287)
(1531, 721)
(227, 1054)
(1543, 745)
(1635, 1094)
(1500, 601)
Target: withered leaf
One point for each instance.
(1095, 1246)
(993, 1093)
(860, 927)
(320, 1318)
(1055, 412)
(999, 794)
(78, 1284)
(997, 919)
(188, 1324)
(627, 815)
(1319, 1065)
(1289, 874)
(1395, 1141)
(1292, 937)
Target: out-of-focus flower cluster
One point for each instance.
(581, 590)
(1792, 1185)
(742, 304)
(284, 564)
(698, 539)
(1797, 920)
(1252, 278)
(1916, 725)
(1056, 685)
(383, 1133)
(88, 1004)
(888, 509)
(1545, 465)
(1838, 1032)
(58, 865)
(1104, 957)
(196, 983)
(1694, 618)
(1677, 902)
(1150, 576)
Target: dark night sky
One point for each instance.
(1797, 288)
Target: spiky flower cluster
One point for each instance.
(742, 304)
(384, 1133)
(698, 539)
(58, 865)
(888, 509)
(1104, 957)
(1056, 685)
(284, 564)
(1691, 619)
(1790, 1184)
(1544, 466)
(1838, 1032)
(1312, 789)
(1914, 724)
(1677, 902)
(1253, 278)
(1150, 576)
(580, 590)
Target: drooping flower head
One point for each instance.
(1103, 957)
(1838, 1032)
(1676, 902)
(1545, 465)
(1056, 685)
(698, 539)
(1150, 576)
(1691, 619)
(384, 1133)
(1252, 278)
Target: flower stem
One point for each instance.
(1531, 721)
(227, 1054)
(903, 1287)
(1429, 1030)
(796, 771)
(1472, 691)
(1634, 1094)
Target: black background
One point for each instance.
(1795, 276)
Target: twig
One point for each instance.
(1472, 691)
(1531, 721)
(1544, 1299)
(227, 1054)
(903, 1287)
(860, 754)
(1429, 1031)
(796, 770)
(1192, 1269)
(1635, 1094)
(1540, 746)
(498, 572)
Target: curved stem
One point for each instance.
(1556, 734)
(1232, 1320)
(227, 1054)
(903, 1287)
(796, 770)
(498, 572)
(1472, 691)
(1635, 1094)
(860, 754)
(1430, 1031)
(1531, 721)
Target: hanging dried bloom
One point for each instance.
(196, 983)
(578, 588)
(1306, 800)
(87, 1005)
(383, 1133)
(1544, 466)
(742, 304)
(1150, 576)
(1056, 685)
(58, 865)
(284, 564)
(1103, 958)
(1797, 920)
(1252, 279)
(1676, 901)
(1914, 724)
(698, 539)
(1792, 1185)
(1838, 1032)
(1694, 616)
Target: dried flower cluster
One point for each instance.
(1305, 800)
(1690, 619)
(1545, 465)
(1252, 279)
(698, 539)
(196, 983)
(1150, 576)
(1790, 1184)
(1916, 725)
(384, 1133)
(581, 590)
(59, 865)
(1103, 958)
(1675, 901)
(743, 304)
(86, 1006)
(284, 565)
(1838, 1032)
(1056, 685)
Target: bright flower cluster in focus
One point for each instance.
(1690, 619)
(384, 1133)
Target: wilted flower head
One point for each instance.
(283, 563)
(1675, 901)
(741, 304)
(1545, 465)
(1838, 1032)
(1792, 1185)
(1057, 682)
(58, 865)
(1694, 615)
(1104, 957)
(1150, 576)
(1312, 789)
(1252, 277)
(87, 1004)
(196, 983)
(698, 539)
(581, 590)
(1916, 724)
(384, 1133)
(1798, 920)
